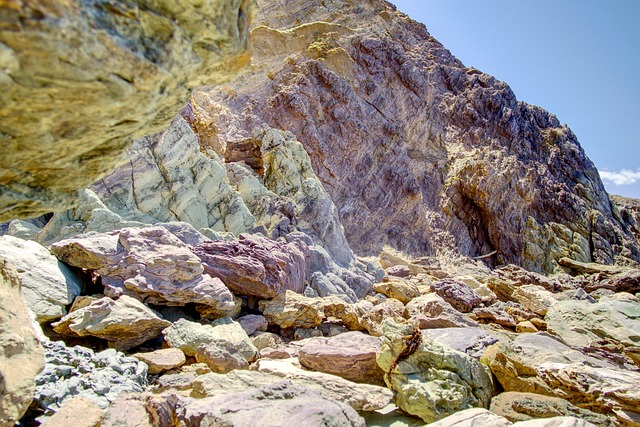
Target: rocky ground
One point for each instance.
(210, 280)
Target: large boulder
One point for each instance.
(351, 355)
(124, 323)
(127, 71)
(22, 356)
(189, 336)
(48, 285)
(254, 265)
(430, 380)
(460, 295)
(149, 263)
(162, 360)
(432, 311)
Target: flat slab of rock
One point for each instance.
(151, 263)
(281, 400)
(162, 360)
(579, 323)
(472, 341)
(125, 322)
(471, 418)
(351, 355)
(48, 285)
(361, 397)
(402, 290)
(22, 356)
(254, 265)
(77, 412)
(189, 336)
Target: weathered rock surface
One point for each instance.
(189, 336)
(351, 355)
(77, 412)
(517, 406)
(221, 357)
(138, 61)
(255, 265)
(252, 323)
(431, 381)
(473, 417)
(403, 291)
(537, 363)
(168, 178)
(580, 323)
(472, 341)
(149, 263)
(270, 405)
(534, 298)
(21, 357)
(361, 397)
(292, 310)
(424, 171)
(78, 371)
(162, 360)
(48, 285)
(124, 323)
(432, 311)
(460, 295)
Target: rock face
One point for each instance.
(48, 285)
(21, 357)
(425, 170)
(431, 381)
(138, 61)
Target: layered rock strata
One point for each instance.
(138, 60)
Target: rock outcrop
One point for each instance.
(425, 170)
(138, 60)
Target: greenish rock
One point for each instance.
(431, 380)
(580, 323)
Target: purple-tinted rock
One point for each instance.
(460, 295)
(255, 265)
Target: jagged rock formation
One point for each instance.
(416, 150)
(138, 61)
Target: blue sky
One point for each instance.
(579, 59)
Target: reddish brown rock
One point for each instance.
(255, 265)
(351, 355)
(162, 360)
(460, 295)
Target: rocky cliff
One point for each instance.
(297, 246)
(416, 150)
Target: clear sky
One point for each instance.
(579, 59)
